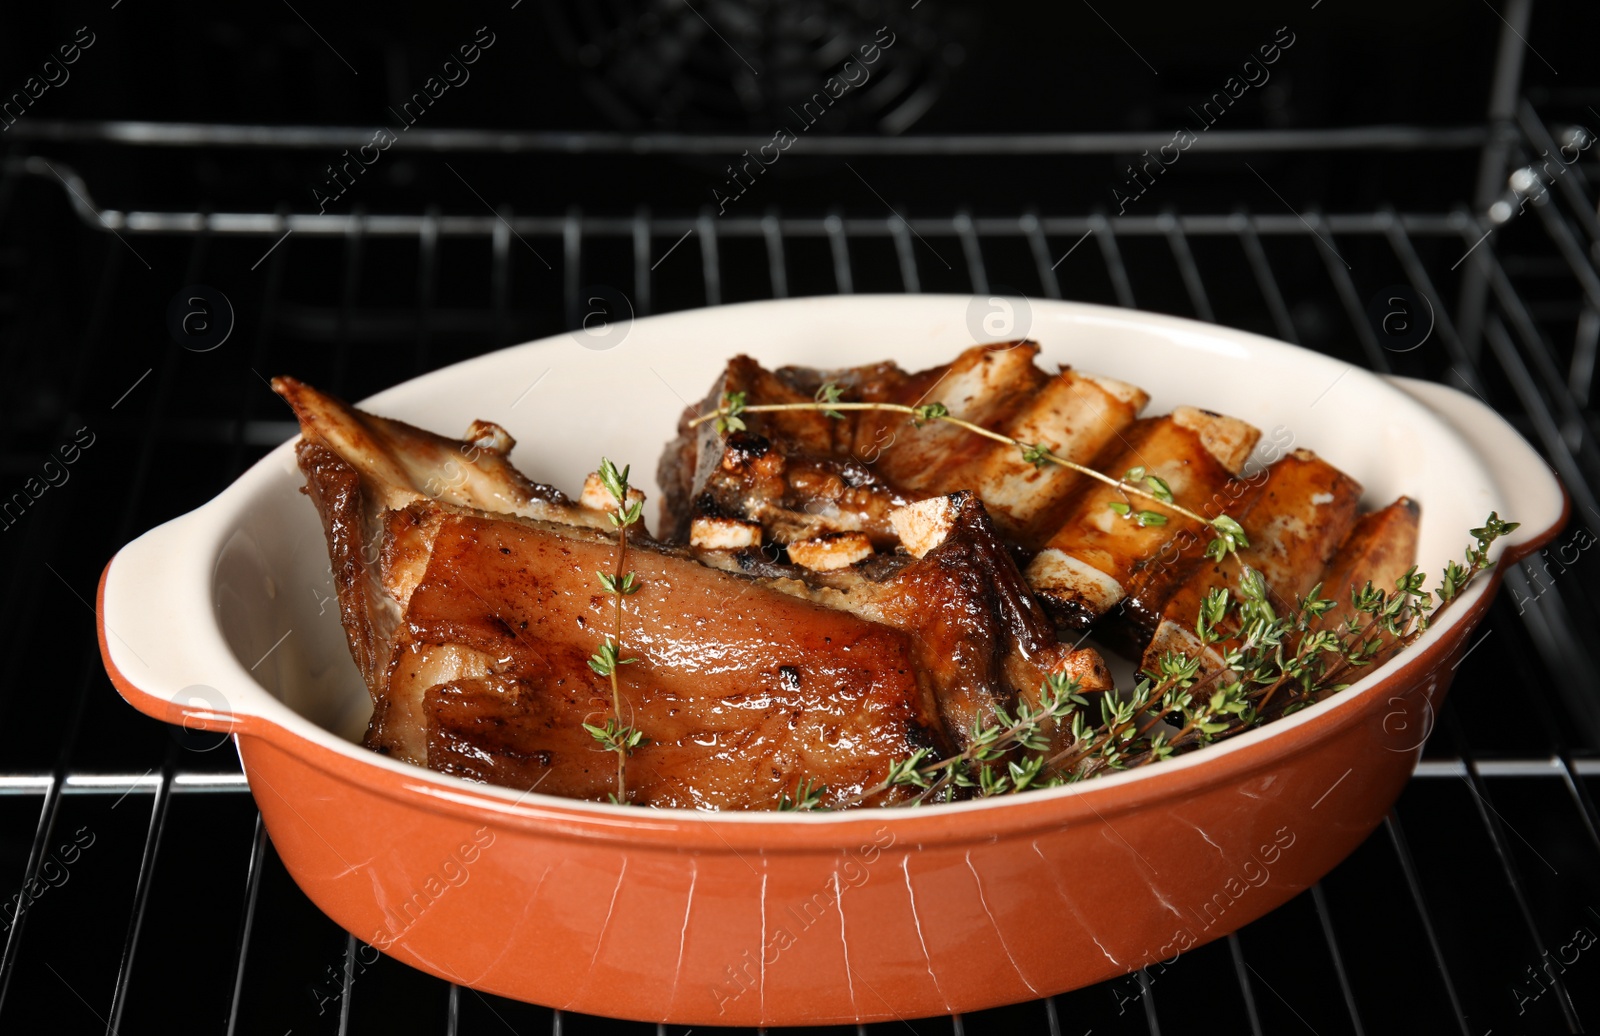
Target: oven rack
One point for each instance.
(1464, 874)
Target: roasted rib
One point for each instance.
(469, 599)
(1298, 515)
(801, 474)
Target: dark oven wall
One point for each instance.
(734, 68)
(373, 191)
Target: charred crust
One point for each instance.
(707, 506)
(1069, 616)
(744, 449)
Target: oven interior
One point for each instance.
(1393, 188)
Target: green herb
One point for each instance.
(1271, 665)
(829, 393)
(728, 419)
(807, 798)
(1230, 538)
(1038, 454)
(1027, 734)
(615, 736)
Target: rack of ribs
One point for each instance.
(827, 492)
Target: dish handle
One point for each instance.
(159, 642)
(1519, 472)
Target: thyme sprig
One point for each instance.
(1137, 482)
(807, 797)
(1024, 737)
(1300, 655)
(614, 735)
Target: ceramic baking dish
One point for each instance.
(224, 619)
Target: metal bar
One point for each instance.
(1179, 243)
(1107, 239)
(1041, 255)
(1472, 305)
(1325, 919)
(1540, 350)
(1571, 250)
(1586, 342)
(710, 266)
(276, 259)
(1147, 998)
(572, 265)
(1339, 271)
(900, 231)
(1553, 728)
(772, 233)
(1573, 187)
(189, 134)
(452, 1017)
(427, 277)
(141, 896)
(1265, 278)
(394, 225)
(1254, 1013)
(1563, 452)
(1462, 362)
(840, 248)
(1508, 865)
(641, 267)
(258, 854)
(30, 871)
(1409, 868)
(347, 305)
(347, 981)
(1503, 92)
(1052, 1017)
(120, 783)
(500, 276)
(973, 252)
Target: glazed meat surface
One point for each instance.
(732, 703)
(473, 627)
(979, 637)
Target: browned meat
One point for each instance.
(1085, 569)
(472, 628)
(737, 688)
(828, 488)
(1297, 518)
(801, 474)
(979, 637)
(1379, 550)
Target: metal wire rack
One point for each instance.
(149, 891)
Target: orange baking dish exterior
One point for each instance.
(861, 916)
